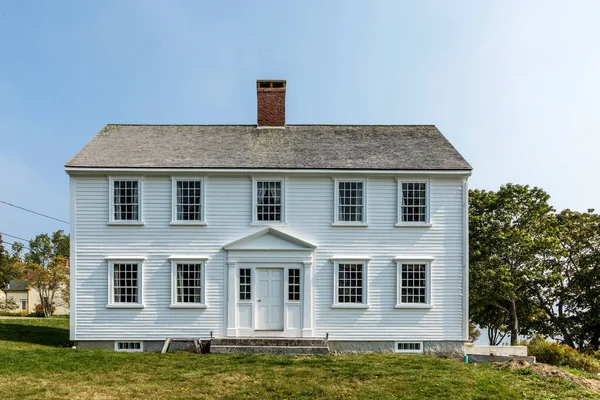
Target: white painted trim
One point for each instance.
(342, 305)
(174, 220)
(365, 292)
(255, 221)
(466, 260)
(188, 258)
(110, 261)
(336, 195)
(241, 171)
(412, 305)
(413, 225)
(350, 258)
(178, 260)
(413, 260)
(129, 341)
(416, 259)
(408, 351)
(274, 232)
(111, 201)
(72, 257)
(349, 225)
(427, 223)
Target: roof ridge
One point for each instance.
(254, 125)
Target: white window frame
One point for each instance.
(255, 220)
(188, 260)
(140, 350)
(396, 350)
(413, 260)
(351, 260)
(336, 222)
(300, 286)
(427, 223)
(111, 261)
(111, 200)
(174, 220)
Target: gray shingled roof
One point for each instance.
(352, 147)
(16, 284)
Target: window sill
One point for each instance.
(125, 306)
(412, 225)
(356, 306)
(417, 306)
(125, 223)
(183, 223)
(267, 223)
(190, 306)
(350, 224)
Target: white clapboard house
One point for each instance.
(350, 237)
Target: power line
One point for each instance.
(13, 236)
(35, 212)
(3, 242)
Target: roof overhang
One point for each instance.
(106, 170)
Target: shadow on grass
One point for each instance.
(35, 334)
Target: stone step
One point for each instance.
(283, 350)
(289, 342)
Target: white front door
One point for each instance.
(269, 301)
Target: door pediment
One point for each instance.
(270, 239)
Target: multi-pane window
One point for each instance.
(129, 346)
(294, 284)
(350, 201)
(188, 200)
(414, 202)
(245, 284)
(350, 283)
(189, 283)
(269, 201)
(413, 283)
(126, 283)
(409, 347)
(126, 200)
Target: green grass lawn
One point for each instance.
(36, 362)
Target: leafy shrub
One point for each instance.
(8, 304)
(561, 355)
(39, 311)
(13, 314)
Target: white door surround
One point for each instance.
(269, 250)
(269, 299)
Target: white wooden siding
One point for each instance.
(309, 211)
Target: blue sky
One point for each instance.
(512, 84)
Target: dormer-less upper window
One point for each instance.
(413, 200)
(350, 202)
(125, 200)
(269, 201)
(188, 201)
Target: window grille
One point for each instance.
(189, 200)
(125, 283)
(350, 283)
(414, 283)
(414, 202)
(126, 200)
(350, 202)
(268, 201)
(245, 284)
(294, 284)
(189, 283)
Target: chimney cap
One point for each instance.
(270, 84)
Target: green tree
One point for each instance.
(569, 285)
(508, 232)
(8, 272)
(45, 268)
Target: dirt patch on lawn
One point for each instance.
(552, 372)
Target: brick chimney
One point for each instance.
(270, 96)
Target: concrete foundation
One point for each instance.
(443, 348)
(486, 359)
(149, 345)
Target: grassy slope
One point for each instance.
(32, 364)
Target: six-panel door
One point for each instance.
(270, 299)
